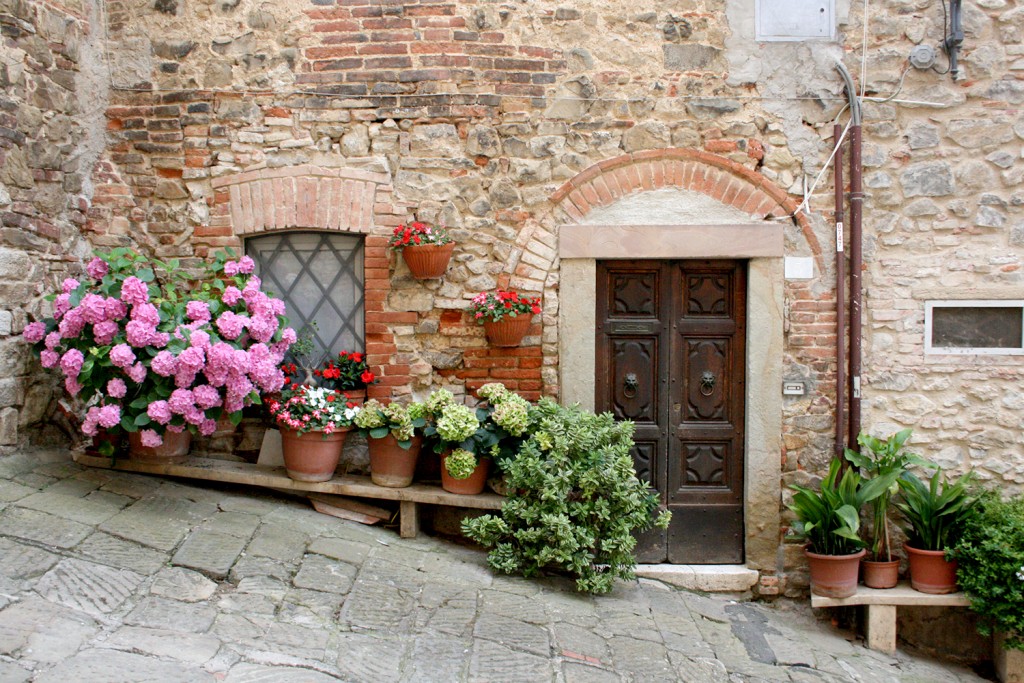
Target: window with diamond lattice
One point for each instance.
(320, 278)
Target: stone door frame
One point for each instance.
(761, 245)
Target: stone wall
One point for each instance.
(483, 115)
(46, 155)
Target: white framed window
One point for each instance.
(319, 276)
(990, 326)
(795, 20)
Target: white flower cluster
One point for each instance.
(1020, 574)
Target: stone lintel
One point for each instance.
(758, 240)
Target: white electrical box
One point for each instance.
(780, 20)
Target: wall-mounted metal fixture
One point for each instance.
(955, 38)
(922, 57)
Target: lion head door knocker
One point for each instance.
(707, 383)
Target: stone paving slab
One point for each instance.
(202, 583)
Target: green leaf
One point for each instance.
(379, 432)
(145, 274)
(127, 424)
(142, 419)
(140, 403)
(236, 418)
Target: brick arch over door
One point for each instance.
(722, 179)
(309, 197)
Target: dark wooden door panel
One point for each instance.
(632, 322)
(670, 357)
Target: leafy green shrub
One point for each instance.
(990, 559)
(574, 502)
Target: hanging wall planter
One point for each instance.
(507, 331)
(426, 249)
(505, 315)
(429, 260)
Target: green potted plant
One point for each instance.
(936, 512)
(505, 315)
(393, 442)
(829, 519)
(990, 570)
(451, 427)
(425, 248)
(879, 457)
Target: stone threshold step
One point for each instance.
(708, 578)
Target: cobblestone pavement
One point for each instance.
(114, 577)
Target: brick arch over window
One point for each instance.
(717, 177)
(310, 197)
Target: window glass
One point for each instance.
(320, 277)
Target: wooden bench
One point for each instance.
(880, 625)
(881, 607)
(211, 469)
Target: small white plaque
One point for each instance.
(799, 267)
(793, 388)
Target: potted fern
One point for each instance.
(879, 457)
(829, 519)
(936, 512)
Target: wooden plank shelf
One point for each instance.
(211, 469)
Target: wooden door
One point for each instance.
(671, 358)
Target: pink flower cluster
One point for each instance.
(117, 344)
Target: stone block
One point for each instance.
(121, 667)
(690, 56)
(210, 552)
(172, 615)
(88, 587)
(928, 179)
(53, 633)
(325, 574)
(181, 584)
(42, 528)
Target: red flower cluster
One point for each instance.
(346, 371)
(418, 234)
(500, 303)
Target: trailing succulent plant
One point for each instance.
(575, 500)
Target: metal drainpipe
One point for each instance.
(837, 132)
(856, 255)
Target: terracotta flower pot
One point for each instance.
(428, 260)
(508, 331)
(930, 572)
(469, 486)
(390, 464)
(834, 576)
(880, 574)
(173, 449)
(312, 456)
